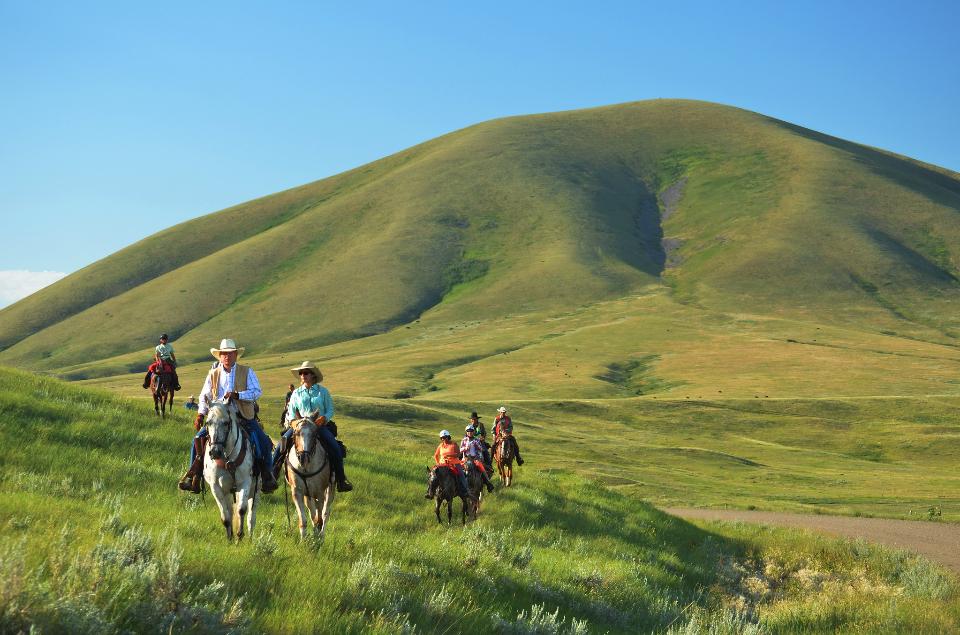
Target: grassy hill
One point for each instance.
(94, 538)
(714, 210)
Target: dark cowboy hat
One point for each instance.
(474, 415)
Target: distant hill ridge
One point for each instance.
(731, 210)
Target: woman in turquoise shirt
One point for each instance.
(314, 401)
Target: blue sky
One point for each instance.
(120, 119)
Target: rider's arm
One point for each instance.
(436, 455)
(253, 391)
(326, 406)
(206, 396)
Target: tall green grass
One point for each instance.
(94, 537)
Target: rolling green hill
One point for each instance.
(710, 210)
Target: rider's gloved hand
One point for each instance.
(198, 422)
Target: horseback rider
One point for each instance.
(313, 401)
(482, 435)
(471, 449)
(230, 383)
(503, 428)
(447, 454)
(163, 356)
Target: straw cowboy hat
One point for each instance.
(308, 366)
(227, 345)
(501, 409)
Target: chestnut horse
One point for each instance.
(504, 452)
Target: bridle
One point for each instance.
(304, 456)
(220, 441)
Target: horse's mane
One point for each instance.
(220, 412)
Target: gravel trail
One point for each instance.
(937, 541)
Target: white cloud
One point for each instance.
(16, 285)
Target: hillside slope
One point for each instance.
(731, 210)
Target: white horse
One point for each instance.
(228, 470)
(310, 476)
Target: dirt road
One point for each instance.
(937, 541)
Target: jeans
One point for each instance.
(258, 439)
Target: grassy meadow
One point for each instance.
(95, 538)
(681, 303)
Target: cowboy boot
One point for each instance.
(516, 448)
(190, 482)
(486, 481)
(281, 456)
(343, 485)
(268, 481)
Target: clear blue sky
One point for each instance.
(120, 119)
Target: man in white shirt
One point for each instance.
(230, 383)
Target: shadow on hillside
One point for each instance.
(936, 186)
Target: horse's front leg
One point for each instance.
(241, 502)
(301, 512)
(327, 507)
(314, 510)
(436, 509)
(450, 511)
(225, 504)
(252, 513)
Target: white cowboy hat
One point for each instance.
(227, 345)
(501, 409)
(308, 366)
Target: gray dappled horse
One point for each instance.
(161, 386)
(228, 470)
(442, 486)
(310, 476)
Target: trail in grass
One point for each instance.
(936, 540)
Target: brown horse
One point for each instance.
(442, 485)
(474, 486)
(504, 452)
(162, 388)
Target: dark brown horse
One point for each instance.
(504, 451)
(474, 486)
(442, 486)
(162, 388)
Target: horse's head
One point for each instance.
(219, 421)
(431, 481)
(305, 436)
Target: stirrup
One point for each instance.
(190, 484)
(344, 485)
